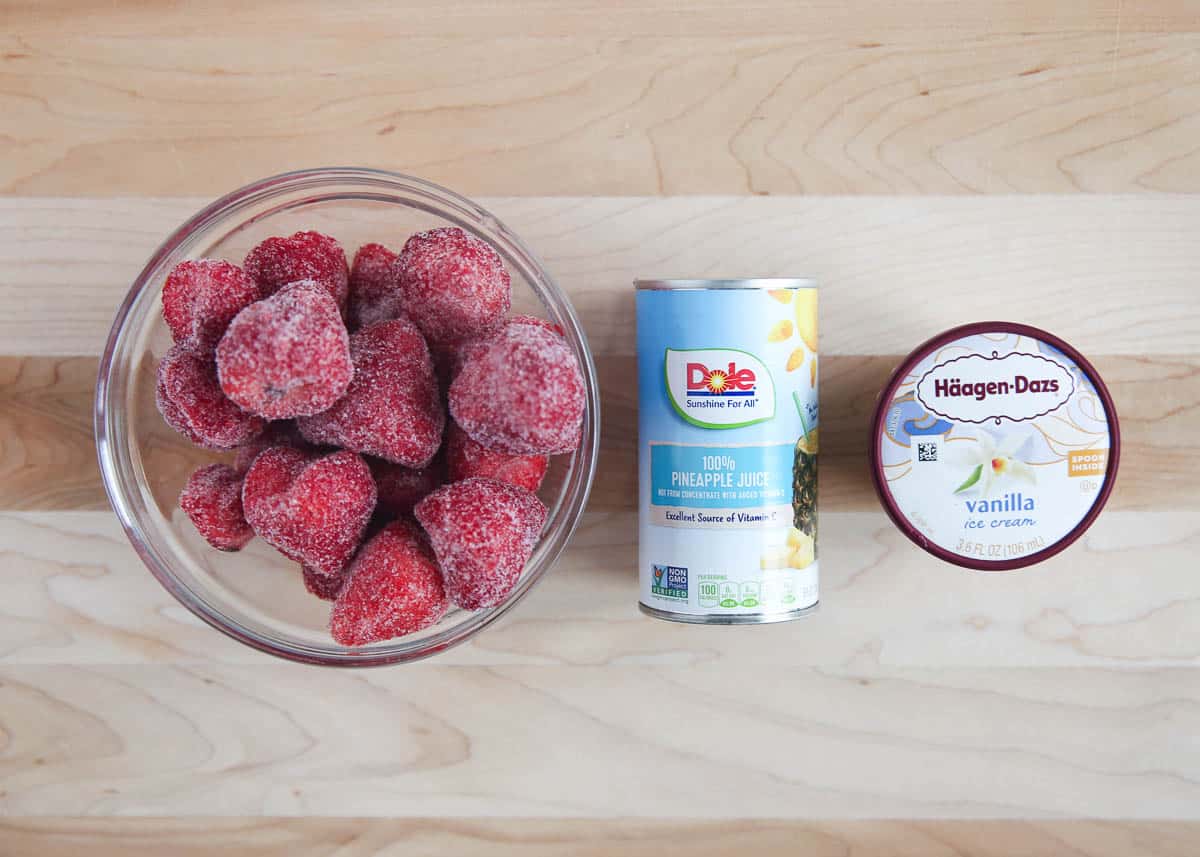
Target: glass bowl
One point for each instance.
(256, 595)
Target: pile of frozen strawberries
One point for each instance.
(391, 424)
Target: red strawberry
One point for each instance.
(466, 458)
(450, 358)
(483, 532)
(201, 297)
(278, 262)
(374, 290)
(392, 588)
(523, 393)
(400, 488)
(278, 433)
(455, 285)
(324, 586)
(392, 409)
(286, 356)
(190, 400)
(534, 321)
(312, 508)
(212, 500)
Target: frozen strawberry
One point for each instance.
(312, 508)
(278, 262)
(324, 586)
(212, 500)
(400, 488)
(450, 359)
(466, 458)
(171, 413)
(286, 356)
(201, 297)
(250, 451)
(455, 285)
(393, 588)
(190, 400)
(374, 289)
(521, 394)
(534, 321)
(482, 532)
(278, 433)
(392, 409)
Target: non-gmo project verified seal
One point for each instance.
(670, 581)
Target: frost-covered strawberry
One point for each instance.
(375, 293)
(450, 359)
(392, 409)
(400, 488)
(483, 532)
(324, 586)
(212, 499)
(286, 356)
(393, 588)
(279, 433)
(314, 509)
(200, 297)
(455, 285)
(522, 393)
(466, 458)
(190, 399)
(279, 262)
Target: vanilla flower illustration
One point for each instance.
(991, 463)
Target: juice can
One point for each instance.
(727, 449)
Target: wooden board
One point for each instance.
(1112, 275)
(988, 96)
(705, 741)
(930, 163)
(365, 837)
(1126, 597)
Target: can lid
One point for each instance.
(994, 445)
(749, 283)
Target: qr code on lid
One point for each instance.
(927, 452)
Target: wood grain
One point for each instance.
(357, 19)
(700, 741)
(534, 99)
(73, 592)
(47, 459)
(1111, 275)
(929, 162)
(373, 837)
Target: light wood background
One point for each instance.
(931, 161)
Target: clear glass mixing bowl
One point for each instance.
(256, 595)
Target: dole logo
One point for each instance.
(718, 388)
(702, 381)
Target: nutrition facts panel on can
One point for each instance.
(727, 452)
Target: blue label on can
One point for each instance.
(727, 423)
(720, 477)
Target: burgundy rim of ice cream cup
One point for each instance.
(889, 391)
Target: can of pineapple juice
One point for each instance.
(727, 449)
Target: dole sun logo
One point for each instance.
(718, 388)
(702, 381)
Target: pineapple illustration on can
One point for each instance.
(727, 449)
